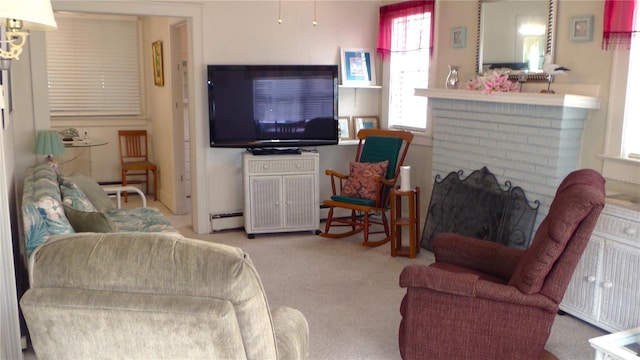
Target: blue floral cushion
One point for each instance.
(42, 212)
(74, 197)
(141, 219)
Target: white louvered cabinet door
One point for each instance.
(266, 202)
(620, 307)
(582, 293)
(301, 207)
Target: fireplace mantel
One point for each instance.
(560, 100)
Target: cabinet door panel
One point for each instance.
(266, 209)
(621, 287)
(300, 201)
(580, 297)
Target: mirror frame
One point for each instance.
(549, 47)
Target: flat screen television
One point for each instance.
(272, 106)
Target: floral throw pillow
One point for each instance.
(361, 183)
(74, 197)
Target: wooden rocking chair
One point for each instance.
(371, 194)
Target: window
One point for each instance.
(631, 127)
(405, 39)
(622, 148)
(408, 70)
(93, 66)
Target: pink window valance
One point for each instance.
(618, 26)
(393, 13)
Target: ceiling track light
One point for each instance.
(315, 11)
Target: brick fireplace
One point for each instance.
(530, 139)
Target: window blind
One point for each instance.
(92, 67)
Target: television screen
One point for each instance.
(255, 106)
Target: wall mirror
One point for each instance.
(515, 35)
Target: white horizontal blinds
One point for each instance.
(92, 66)
(292, 100)
(408, 70)
(631, 129)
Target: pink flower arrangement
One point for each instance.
(493, 82)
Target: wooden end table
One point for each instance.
(398, 221)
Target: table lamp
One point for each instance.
(49, 143)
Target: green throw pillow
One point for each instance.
(94, 192)
(89, 221)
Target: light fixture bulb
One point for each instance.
(314, 22)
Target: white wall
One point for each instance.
(248, 33)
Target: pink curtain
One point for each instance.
(392, 13)
(618, 24)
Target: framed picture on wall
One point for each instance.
(345, 131)
(156, 52)
(459, 37)
(365, 122)
(357, 66)
(582, 28)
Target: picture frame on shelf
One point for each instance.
(357, 66)
(156, 52)
(345, 130)
(459, 37)
(365, 122)
(582, 28)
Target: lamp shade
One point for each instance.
(35, 14)
(49, 142)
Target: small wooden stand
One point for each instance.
(397, 222)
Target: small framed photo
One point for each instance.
(156, 52)
(358, 66)
(459, 37)
(582, 28)
(345, 131)
(365, 122)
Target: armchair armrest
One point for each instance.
(336, 175)
(292, 333)
(118, 190)
(470, 285)
(485, 256)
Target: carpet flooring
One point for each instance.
(350, 294)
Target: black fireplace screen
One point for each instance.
(479, 207)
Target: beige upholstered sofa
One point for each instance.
(152, 296)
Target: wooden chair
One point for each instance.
(134, 160)
(375, 146)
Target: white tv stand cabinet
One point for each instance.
(281, 193)
(605, 287)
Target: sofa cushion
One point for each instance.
(361, 183)
(141, 219)
(74, 197)
(94, 192)
(89, 221)
(52, 213)
(42, 213)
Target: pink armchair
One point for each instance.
(481, 300)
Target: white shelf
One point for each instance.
(360, 86)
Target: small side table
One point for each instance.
(623, 345)
(412, 221)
